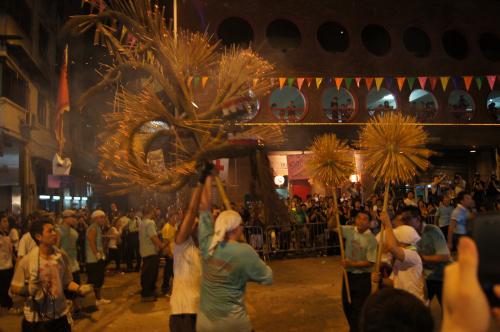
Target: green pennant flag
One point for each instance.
(291, 80)
(479, 82)
(411, 81)
(196, 81)
(348, 81)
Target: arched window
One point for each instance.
(461, 105)
(288, 104)
(338, 105)
(423, 105)
(455, 44)
(235, 30)
(417, 42)
(333, 37)
(283, 34)
(494, 104)
(381, 101)
(376, 39)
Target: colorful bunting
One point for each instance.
(338, 82)
(444, 81)
(479, 82)
(422, 80)
(401, 82)
(411, 82)
(254, 82)
(190, 79)
(290, 81)
(196, 81)
(282, 82)
(378, 82)
(389, 81)
(368, 81)
(433, 81)
(318, 81)
(300, 81)
(491, 80)
(348, 81)
(467, 82)
(358, 81)
(309, 81)
(456, 81)
(204, 80)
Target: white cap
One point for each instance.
(406, 234)
(97, 214)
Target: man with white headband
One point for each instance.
(95, 254)
(407, 272)
(227, 266)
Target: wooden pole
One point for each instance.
(222, 193)
(341, 244)
(380, 246)
(175, 20)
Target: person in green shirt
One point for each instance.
(227, 265)
(360, 255)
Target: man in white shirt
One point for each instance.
(26, 244)
(407, 272)
(6, 266)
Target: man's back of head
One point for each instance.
(395, 310)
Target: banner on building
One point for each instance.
(278, 164)
(297, 166)
(222, 165)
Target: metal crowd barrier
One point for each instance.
(275, 240)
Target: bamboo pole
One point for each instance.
(380, 246)
(341, 244)
(222, 193)
(175, 20)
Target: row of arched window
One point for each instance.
(288, 104)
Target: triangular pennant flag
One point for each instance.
(204, 80)
(300, 81)
(422, 80)
(444, 81)
(348, 81)
(433, 81)
(491, 80)
(479, 82)
(318, 81)
(378, 82)
(467, 82)
(309, 81)
(388, 82)
(254, 82)
(368, 81)
(282, 82)
(411, 82)
(190, 79)
(330, 80)
(338, 82)
(291, 80)
(456, 81)
(196, 81)
(401, 82)
(358, 81)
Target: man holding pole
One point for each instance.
(360, 255)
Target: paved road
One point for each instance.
(304, 297)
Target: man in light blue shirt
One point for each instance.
(458, 224)
(149, 248)
(443, 215)
(227, 266)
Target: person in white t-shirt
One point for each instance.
(26, 244)
(6, 266)
(407, 272)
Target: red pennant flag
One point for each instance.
(433, 81)
(300, 81)
(62, 102)
(368, 81)
(491, 80)
(309, 81)
(467, 82)
(358, 81)
(422, 80)
(282, 82)
(338, 82)
(401, 82)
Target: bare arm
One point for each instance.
(390, 239)
(159, 245)
(451, 230)
(206, 196)
(187, 223)
(436, 258)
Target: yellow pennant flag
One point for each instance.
(204, 80)
(190, 79)
(378, 82)
(318, 81)
(282, 82)
(444, 81)
(255, 82)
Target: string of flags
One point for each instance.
(424, 82)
